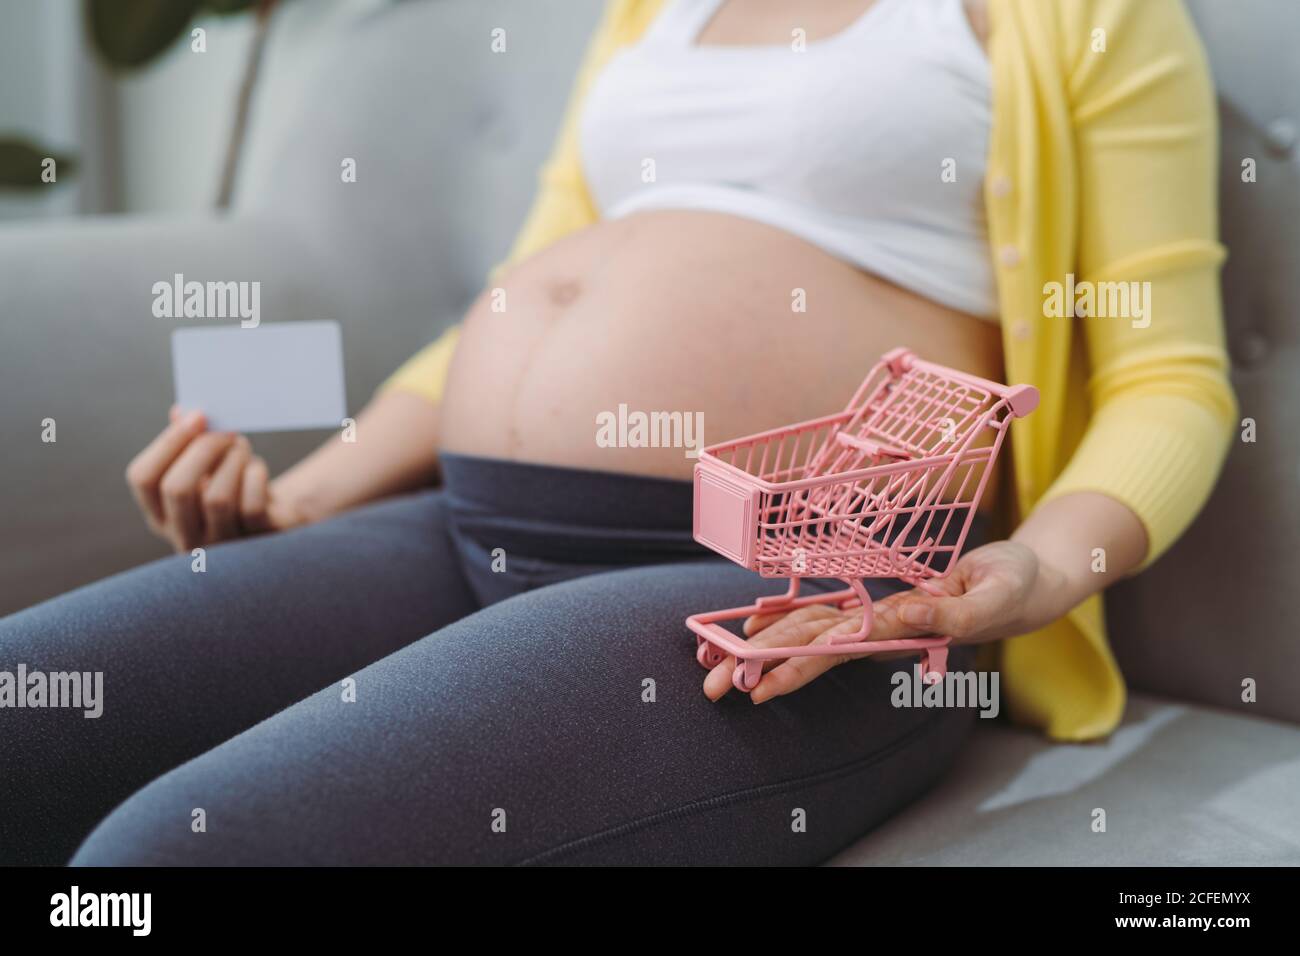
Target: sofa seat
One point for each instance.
(1181, 785)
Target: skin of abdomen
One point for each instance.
(696, 313)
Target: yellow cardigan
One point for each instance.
(1102, 164)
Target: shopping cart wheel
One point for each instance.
(708, 655)
(934, 664)
(747, 675)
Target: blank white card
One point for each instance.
(273, 377)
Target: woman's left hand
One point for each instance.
(999, 590)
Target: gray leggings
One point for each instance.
(369, 690)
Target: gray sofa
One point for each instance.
(432, 117)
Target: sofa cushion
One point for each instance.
(1180, 785)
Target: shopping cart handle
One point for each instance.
(1023, 399)
(873, 448)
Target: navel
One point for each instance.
(565, 293)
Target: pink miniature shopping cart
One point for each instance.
(872, 492)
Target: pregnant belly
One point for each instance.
(717, 323)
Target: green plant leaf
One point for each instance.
(20, 163)
(130, 33)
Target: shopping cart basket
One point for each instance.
(887, 488)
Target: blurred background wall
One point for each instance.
(51, 91)
(150, 140)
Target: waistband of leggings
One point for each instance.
(579, 514)
(570, 514)
(525, 491)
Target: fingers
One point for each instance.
(798, 627)
(718, 681)
(979, 601)
(759, 622)
(145, 472)
(963, 617)
(220, 498)
(885, 622)
(795, 672)
(888, 624)
(255, 496)
(180, 492)
(820, 624)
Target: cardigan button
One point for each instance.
(1002, 186)
(1010, 256)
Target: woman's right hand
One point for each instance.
(197, 487)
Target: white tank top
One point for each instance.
(870, 143)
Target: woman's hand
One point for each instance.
(999, 590)
(197, 487)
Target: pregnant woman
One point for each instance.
(749, 202)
